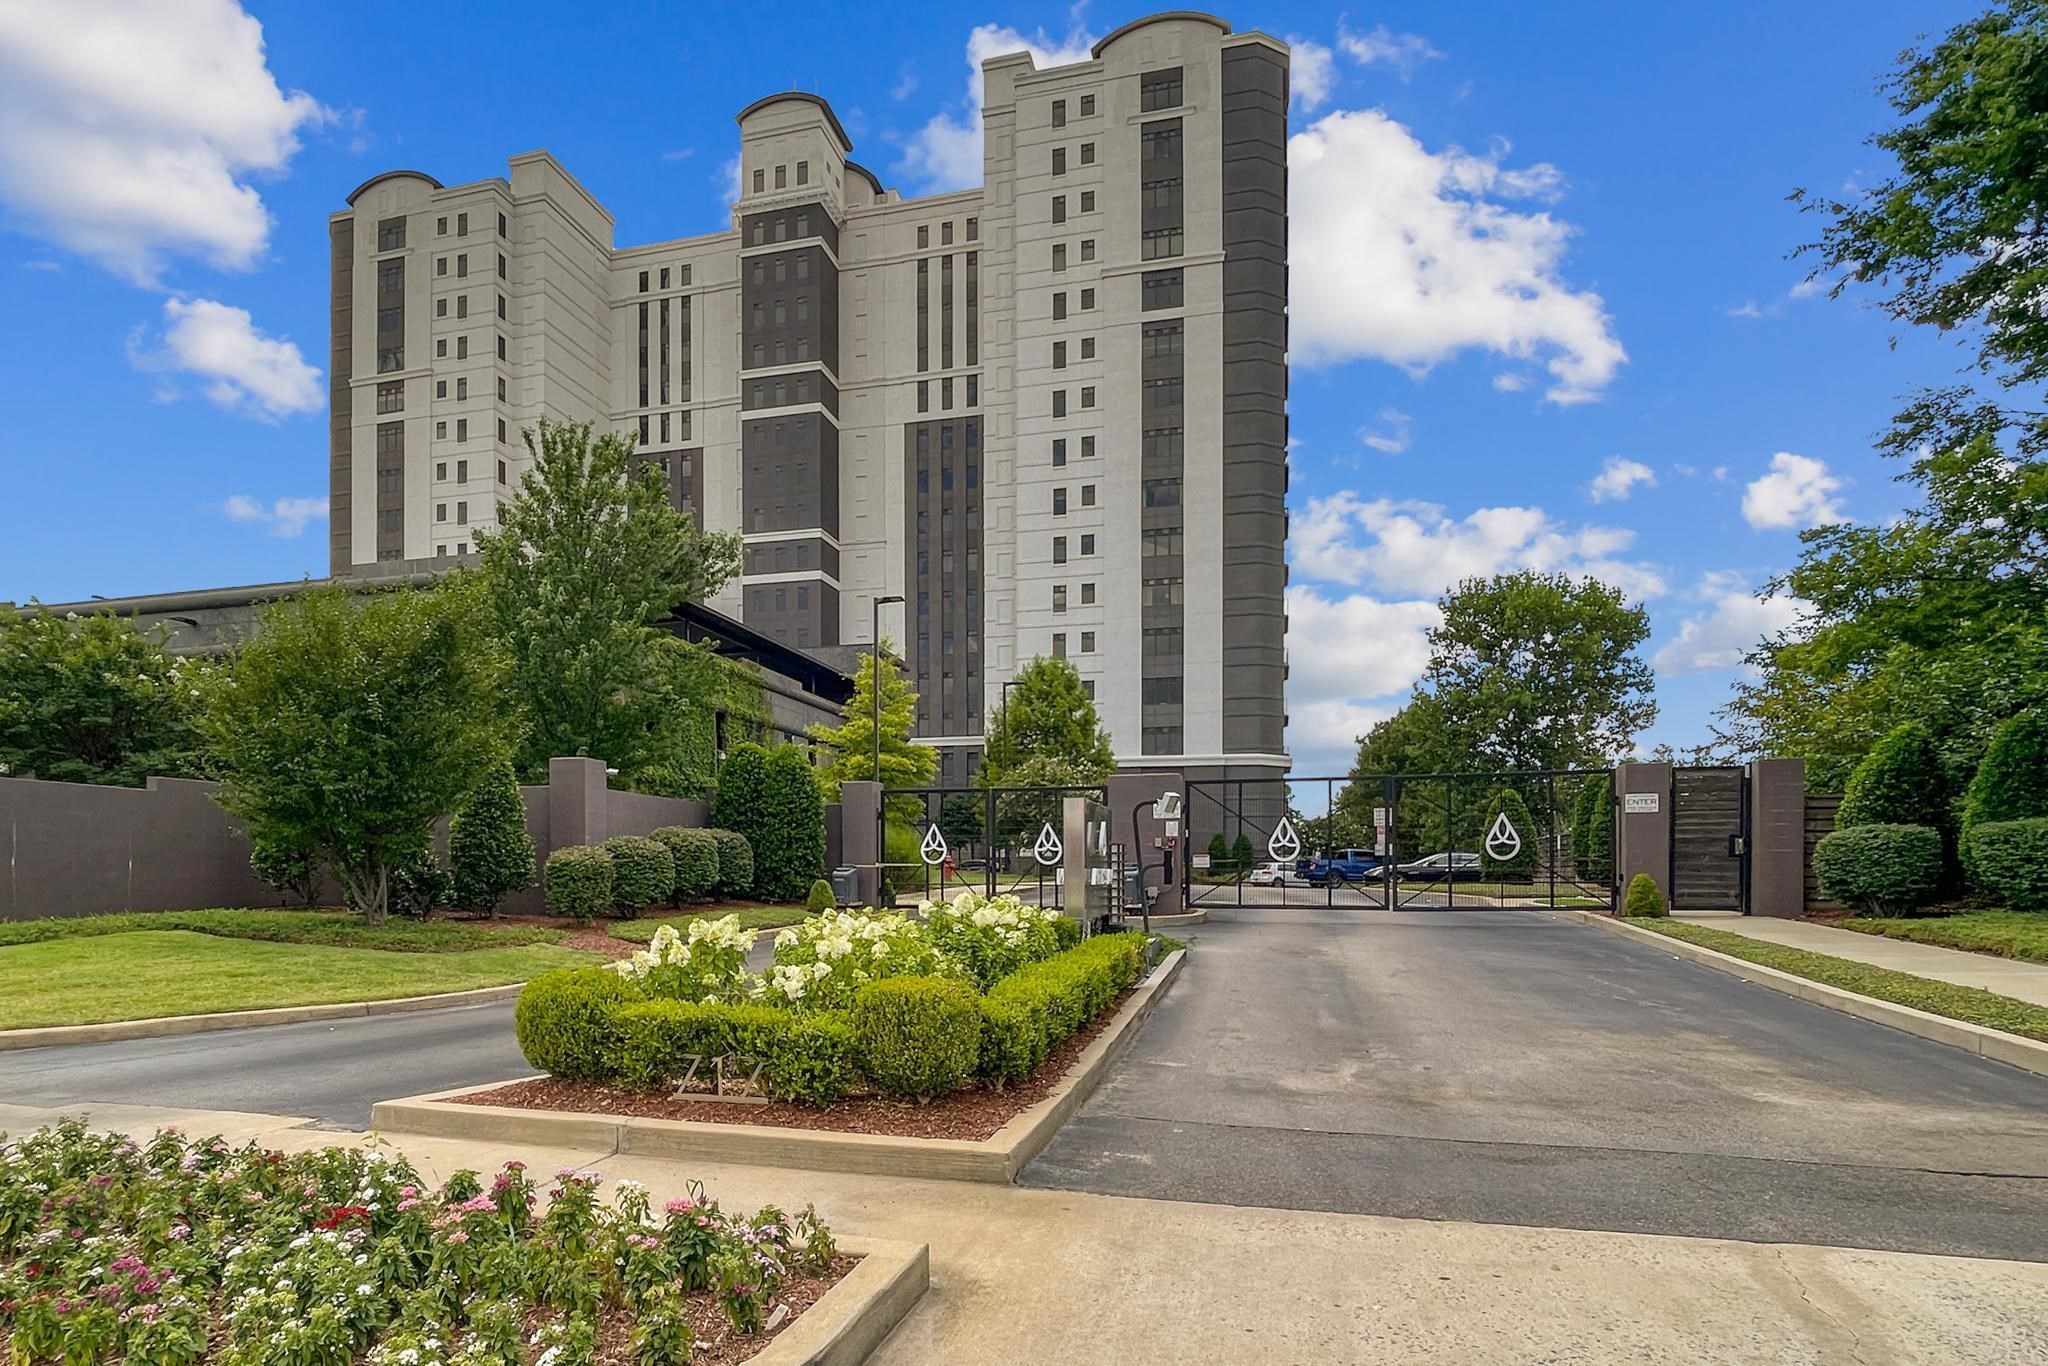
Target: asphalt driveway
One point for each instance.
(1515, 1067)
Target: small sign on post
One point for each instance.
(1639, 803)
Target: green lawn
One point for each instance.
(147, 973)
(334, 929)
(1967, 1004)
(2008, 934)
(752, 917)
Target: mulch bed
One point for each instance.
(716, 1343)
(975, 1112)
(597, 939)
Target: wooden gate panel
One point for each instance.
(1706, 818)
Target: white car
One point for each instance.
(1275, 875)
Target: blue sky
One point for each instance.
(1543, 314)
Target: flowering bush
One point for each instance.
(991, 937)
(161, 1252)
(706, 963)
(824, 962)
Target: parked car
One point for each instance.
(1442, 868)
(1276, 875)
(1343, 865)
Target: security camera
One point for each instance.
(1167, 808)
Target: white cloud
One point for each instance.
(239, 367)
(1507, 382)
(728, 179)
(1734, 622)
(1365, 649)
(1418, 549)
(1402, 51)
(1391, 437)
(1798, 492)
(679, 154)
(1399, 254)
(1809, 287)
(130, 130)
(945, 154)
(285, 517)
(1312, 74)
(1618, 478)
(906, 82)
(1747, 309)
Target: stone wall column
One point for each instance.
(1777, 838)
(860, 836)
(1643, 838)
(578, 812)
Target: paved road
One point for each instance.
(332, 1071)
(1514, 1067)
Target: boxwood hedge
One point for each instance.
(643, 874)
(2009, 860)
(578, 881)
(1880, 868)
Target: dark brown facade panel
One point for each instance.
(942, 574)
(1254, 465)
(341, 238)
(792, 557)
(802, 612)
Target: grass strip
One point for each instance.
(2019, 935)
(334, 929)
(751, 918)
(1968, 1004)
(149, 973)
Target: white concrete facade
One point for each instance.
(789, 350)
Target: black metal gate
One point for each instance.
(1399, 841)
(1709, 838)
(937, 841)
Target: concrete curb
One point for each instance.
(2027, 1054)
(996, 1160)
(1175, 921)
(850, 1320)
(167, 1026)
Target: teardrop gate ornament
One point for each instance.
(933, 850)
(1048, 850)
(1501, 841)
(1283, 846)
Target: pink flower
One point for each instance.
(458, 1237)
(682, 1206)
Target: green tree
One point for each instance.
(1593, 833)
(773, 800)
(2012, 782)
(1048, 715)
(289, 869)
(1241, 855)
(490, 855)
(1898, 783)
(586, 559)
(93, 700)
(352, 723)
(963, 820)
(905, 763)
(1020, 815)
(1219, 853)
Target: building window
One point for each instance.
(1059, 597)
(1059, 403)
(462, 305)
(924, 396)
(502, 226)
(1059, 161)
(1087, 105)
(1161, 243)
(440, 512)
(760, 184)
(1087, 154)
(1087, 249)
(643, 282)
(440, 308)
(462, 471)
(1161, 289)
(1087, 642)
(1059, 256)
(1059, 451)
(946, 233)
(1159, 89)
(974, 229)
(803, 173)
(1087, 201)
(391, 234)
(1059, 644)
(1088, 544)
(462, 265)
(440, 265)
(1059, 355)
(1087, 299)
(1087, 447)
(504, 438)
(391, 397)
(1087, 495)
(462, 225)
(440, 227)
(441, 434)
(462, 388)
(501, 305)
(1059, 306)
(1087, 396)
(1087, 348)
(782, 176)
(501, 265)
(462, 348)
(973, 390)
(1087, 593)
(1059, 208)
(1059, 113)
(462, 429)
(1059, 550)
(1059, 501)
(501, 467)
(501, 348)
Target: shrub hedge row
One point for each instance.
(1881, 868)
(629, 873)
(915, 1037)
(2009, 860)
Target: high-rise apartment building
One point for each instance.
(1050, 413)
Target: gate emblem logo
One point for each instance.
(1502, 842)
(1048, 850)
(933, 850)
(1283, 846)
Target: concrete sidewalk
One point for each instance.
(2006, 976)
(1052, 1276)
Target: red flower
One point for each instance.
(338, 1215)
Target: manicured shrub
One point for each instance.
(288, 868)
(916, 1037)
(1593, 832)
(695, 854)
(489, 852)
(1219, 853)
(418, 884)
(804, 1058)
(795, 851)
(1880, 868)
(578, 881)
(992, 937)
(1644, 898)
(1898, 783)
(643, 874)
(2012, 781)
(1067, 931)
(1028, 1014)
(2009, 860)
(821, 897)
(1522, 862)
(1241, 855)
(566, 1021)
(735, 863)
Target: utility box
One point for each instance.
(846, 886)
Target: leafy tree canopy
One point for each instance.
(905, 763)
(1048, 715)
(585, 560)
(93, 700)
(352, 723)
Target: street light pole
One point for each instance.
(1009, 735)
(875, 648)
